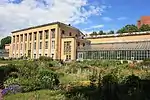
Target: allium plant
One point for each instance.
(12, 89)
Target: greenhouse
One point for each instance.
(137, 50)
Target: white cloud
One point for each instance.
(34, 12)
(122, 18)
(107, 18)
(94, 27)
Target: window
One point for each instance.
(21, 46)
(45, 55)
(46, 45)
(17, 38)
(41, 35)
(25, 46)
(25, 37)
(78, 43)
(53, 33)
(47, 35)
(40, 45)
(83, 44)
(70, 34)
(35, 33)
(13, 39)
(30, 46)
(69, 56)
(67, 47)
(53, 44)
(34, 56)
(40, 55)
(21, 36)
(63, 32)
(30, 36)
(34, 45)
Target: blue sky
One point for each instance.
(87, 15)
(120, 13)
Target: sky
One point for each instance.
(86, 15)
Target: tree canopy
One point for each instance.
(128, 29)
(145, 28)
(6, 40)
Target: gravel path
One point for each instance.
(3, 64)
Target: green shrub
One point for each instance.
(47, 79)
(43, 58)
(2, 58)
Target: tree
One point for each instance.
(94, 33)
(6, 40)
(128, 29)
(100, 32)
(145, 28)
(111, 32)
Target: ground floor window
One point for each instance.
(115, 54)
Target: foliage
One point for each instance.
(33, 77)
(128, 29)
(43, 58)
(111, 32)
(79, 80)
(47, 79)
(38, 95)
(145, 28)
(6, 40)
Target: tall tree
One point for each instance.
(100, 32)
(128, 29)
(93, 33)
(6, 40)
(111, 32)
(145, 28)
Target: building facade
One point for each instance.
(127, 46)
(56, 40)
(61, 41)
(144, 20)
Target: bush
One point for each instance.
(2, 58)
(48, 79)
(43, 58)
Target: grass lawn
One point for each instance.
(37, 95)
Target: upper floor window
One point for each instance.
(41, 34)
(70, 34)
(17, 38)
(40, 45)
(53, 44)
(34, 45)
(21, 46)
(67, 47)
(46, 33)
(13, 39)
(53, 33)
(30, 36)
(35, 33)
(25, 46)
(83, 44)
(78, 43)
(63, 32)
(25, 37)
(21, 36)
(30, 46)
(46, 45)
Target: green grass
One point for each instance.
(37, 95)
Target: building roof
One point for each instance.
(46, 25)
(118, 35)
(139, 45)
